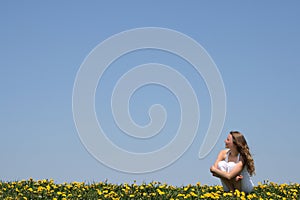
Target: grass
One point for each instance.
(47, 189)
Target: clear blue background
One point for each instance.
(256, 46)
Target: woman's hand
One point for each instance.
(238, 178)
(212, 169)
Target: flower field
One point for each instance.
(47, 189)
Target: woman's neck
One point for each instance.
(234, 152)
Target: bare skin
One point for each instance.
(232, 178)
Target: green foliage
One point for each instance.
(47, 189)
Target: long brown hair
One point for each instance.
(242, 147)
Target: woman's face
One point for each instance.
(228, 142)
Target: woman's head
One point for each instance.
(229, 142)
(237, 140)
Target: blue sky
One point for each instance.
(255, 46)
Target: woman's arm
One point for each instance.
(220, 157)
(228, 175)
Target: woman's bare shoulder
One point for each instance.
(223, 152)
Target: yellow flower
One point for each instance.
(193, 194)
(98, 191)
(225, 194)
(237, 193)
(153, 194)
(40, 188)
(48, 188)
(160, 192)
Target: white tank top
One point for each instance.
(247, 184)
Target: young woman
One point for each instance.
(235, 165)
